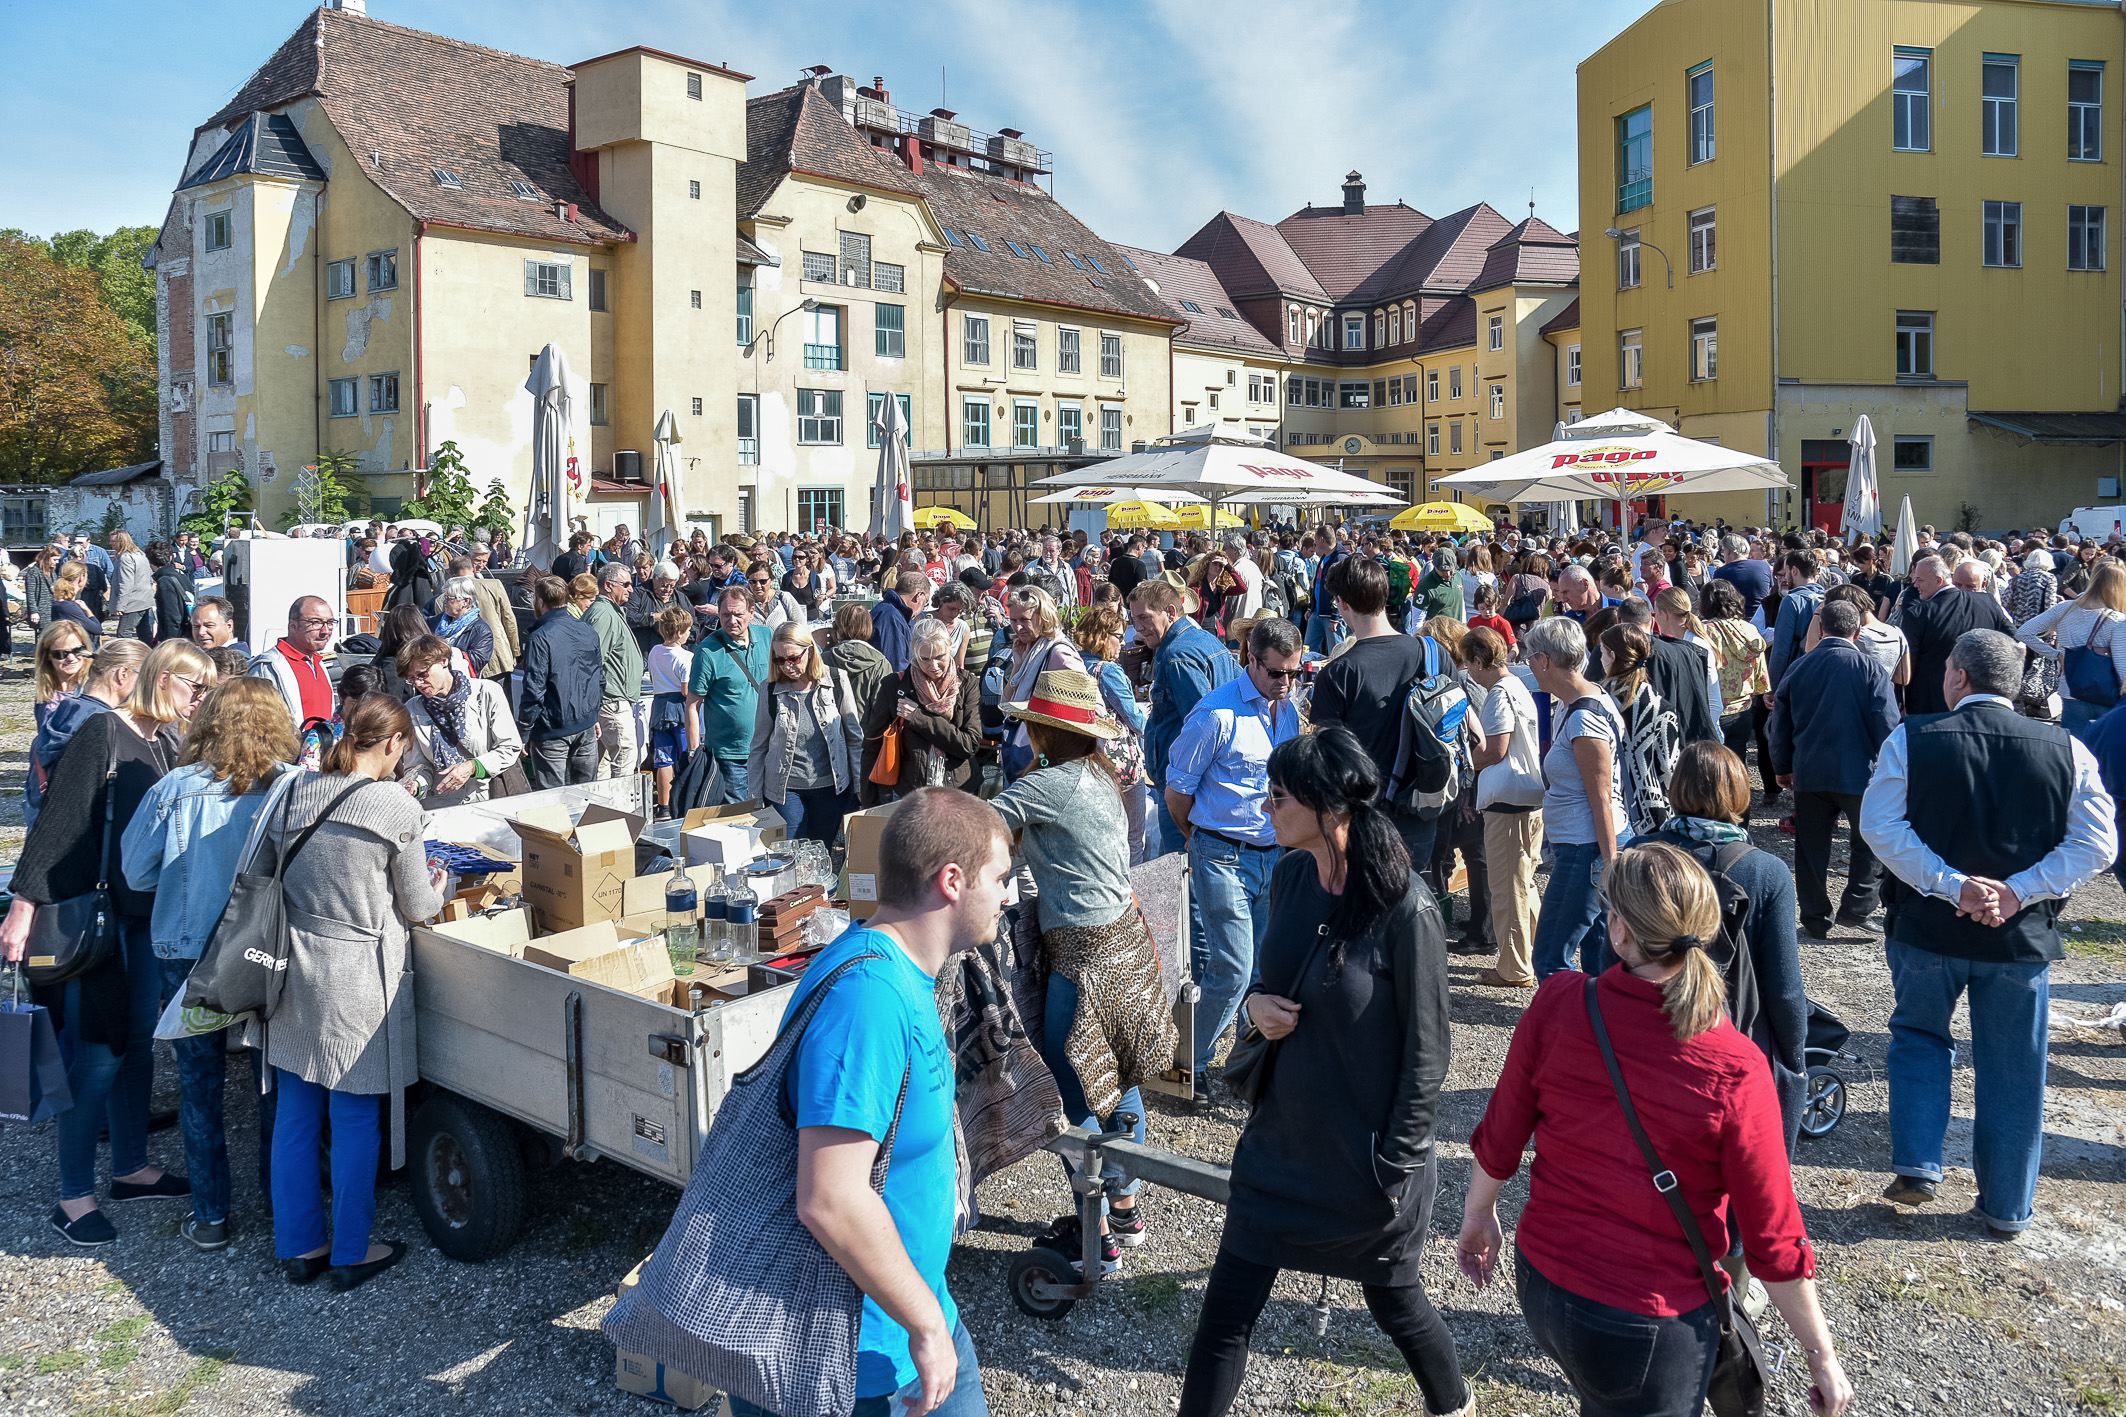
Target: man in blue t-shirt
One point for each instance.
(944, 863)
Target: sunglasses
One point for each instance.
(798, 658)
(1279, 673)
(77, 652)
(195, 686)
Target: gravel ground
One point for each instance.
(1930, 1315)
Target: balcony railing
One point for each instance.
(823, 356)
(748, 452)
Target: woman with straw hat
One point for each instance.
(1108, 1024)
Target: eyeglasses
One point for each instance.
(315, 622)
(799, 658)
(195, 686)
(1278, 797)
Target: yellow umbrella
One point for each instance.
(1441, 516)
(931, 518)
(1139, 515)
(1199, 516)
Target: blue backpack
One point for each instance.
(1433, 762)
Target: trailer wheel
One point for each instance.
(468, 1177)
(1823, 1106)
(1040, 1270)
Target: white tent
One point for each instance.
(1617, 457)
(1215, 468)
(665, 520)
(1863, 492)
(556, 473)
(891, 499)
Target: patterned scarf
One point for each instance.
(940, 695)
(448, 715)
(450, 629)
(1706, 831)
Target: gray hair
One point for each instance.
(612, 571)
(1992, 661)
(460, 588)
(1734, 548)
(1981, 575)
(1559, 637)
(958, 592)
(929, 634)
(2038, 561)
(1841, 619)
(1274, 633)
(1236, 543)
(1575, 574)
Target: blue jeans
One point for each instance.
(1229, 897)
(734, 778)
(2009, 1004)
(1169, 832)
(1061, 1011)
(2079, 718)
(1620, 1364)
(298, 1195)
(1570, 924)
(966, 1400)
(1325, 632)
(111, 1089)
(202, 1073)
(814, 813)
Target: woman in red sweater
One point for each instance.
(1609, 1285)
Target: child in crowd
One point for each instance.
(1487, 614)
(669, 665)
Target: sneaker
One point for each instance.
(1066, 1238)
(1909, 1191)
(1126, 1227)
(205, 1234)
(95, 1228)
(164, 1188)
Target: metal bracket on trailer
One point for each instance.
(572, 1064)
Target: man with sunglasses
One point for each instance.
(620, 658)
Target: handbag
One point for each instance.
(33, 1085)
(1247, 1067)
(738, 1293)
(510, 782)
(1741, 1382)
(245, 963)
(75, 936)
(886, 767)
(2089, 674)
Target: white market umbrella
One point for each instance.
(1108, 496)
(557, 475)
(1217, 468)
(891, 500)
(1863, 492)
(1905, 550)
(1617, 457)
(664, 521)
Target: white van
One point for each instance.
(2099, 522)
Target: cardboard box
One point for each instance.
(860, 877)
(574, 867)
(505, 934)
(636, 1373)
(600, 954)
(730, 836)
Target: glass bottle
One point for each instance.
(682, 916)
(718, 928)
(744, 912)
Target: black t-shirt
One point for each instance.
(1363, 689)
(1880, 586)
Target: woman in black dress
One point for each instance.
(1335, 1173)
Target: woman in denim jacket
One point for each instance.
(185, 844)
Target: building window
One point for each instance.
(745, 314)
(1354, 332)
(818, 508)
(693, 86)
(1628, 261)
(1380, 394)
(601, 405)
(1498, 401)
(1915, 344)
(874, 407)
(1070, 426)
(1703, 252)
(339, 280)
(974, 339)
(1635, 159)
(1498, 332)
(694, 189)
(1295, 391)
(694, 407)
(1068, 358)
(1025, 424)
(693, 299)
(1432, 440)
(383, 270)
(217, 231)
(598, 291)
(1380, 329)
(1572, 366)
(346, 399)
(1024, 354)
(819, 416)
(819, 266)
(1388, 392)
(2004, 233)
(1454, 382)
(889, 324)
(1395, 325)
(1915, 231)
(548, 280)
(2085, 110)
(974, 423)
(1409, 388)
(1110, 428)
(1704, 349)
(856, 259)
(1631, 359)
(1354, 393)
(888, 277)
(1454, 435)
(384, 395)
(1110, 356)
(1911, 87)
(1291, 324)
(1432, 386)
(221, 349)
(2085, 238)
(1997, 135)
(1698, 92)
(748, 429)
(1912, 452)
(823, 339)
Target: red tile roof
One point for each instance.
(1533, 253)
(797, 130)
(1252, 258)
(1341, 250)
(1215, 320)
(1566, 319)
(1446, 322)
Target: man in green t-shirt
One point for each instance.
(723, 689)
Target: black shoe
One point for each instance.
(1066, 1238)
(1467, 946)
(305, 1269)
(205, 1234)
(95, 1228)
(343, 1277)
(169, 1188)
(1816, 929)
(1909, 1191)
(162, 1121)
(1855, 920)
(1126, 1227)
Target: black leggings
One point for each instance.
(1233, 1299)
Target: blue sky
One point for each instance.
(1160, 112)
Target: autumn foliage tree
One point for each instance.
(77, 382)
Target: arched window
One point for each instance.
(1380, 329)
(1395, 325)
(1410, 320)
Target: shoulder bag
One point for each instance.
(738, 1293)
(72, 937)
(1741, 1382)
(1247, 1067)
(2089, 673)
(510, 782)
(245, 963)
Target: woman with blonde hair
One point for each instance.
(807, 739)
(132, 587)
(1613, 1287)
(1036, 645)
(67, 592)
(185, 846)
(1098, 635)
(2090, 622)
(108, 685)
(63, 661)
(1739, 649)
(938, 706)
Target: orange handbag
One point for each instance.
(886, 767)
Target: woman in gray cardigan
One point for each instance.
(342, 1036)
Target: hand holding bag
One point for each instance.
(1741, 1383)
(1247, 1066)
(72, 937)
(886, 767)
(33, 1085)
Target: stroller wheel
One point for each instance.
(1823, 1106)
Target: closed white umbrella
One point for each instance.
(556, 473)
(1905, 550)
(1863, 492)
(891, 501)
(665, 521)
(1616, 457)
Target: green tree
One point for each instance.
(450, 496)
(128, 287)
(496, 514)
(219, 500)
(77, 386)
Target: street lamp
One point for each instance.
(1615, 235)
(807, 307)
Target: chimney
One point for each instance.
(1354, 194)
(352, 7)
(878, 82)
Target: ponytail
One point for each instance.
(1377, 873)
(1695, 996)
(1669, 908)
(373, 719)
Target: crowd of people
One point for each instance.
(1374, 751)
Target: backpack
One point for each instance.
(1433, 764)
(1647, 757)
(1731, 952)
(1398, 587)
(1275, 601)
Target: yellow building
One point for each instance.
(1916, 226)
(1227, 373)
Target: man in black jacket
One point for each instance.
(577, 559)
(1829, 718)
(1933, 620)
(564, 684)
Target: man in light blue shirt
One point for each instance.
(1217, 789)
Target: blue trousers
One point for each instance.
(1169, 832)
(966, 1400)
(111, 1088)
(1061, 1011)
(1571, 924)
(1229, 898)
(202, 1077)
(734, 778)
(2009, 1004)
(298, 1193)
(814, 813)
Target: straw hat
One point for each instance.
(1068, 699)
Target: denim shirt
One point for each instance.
(1115, 691)
(1222, 759)
(183, 845)
(1189, 663)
